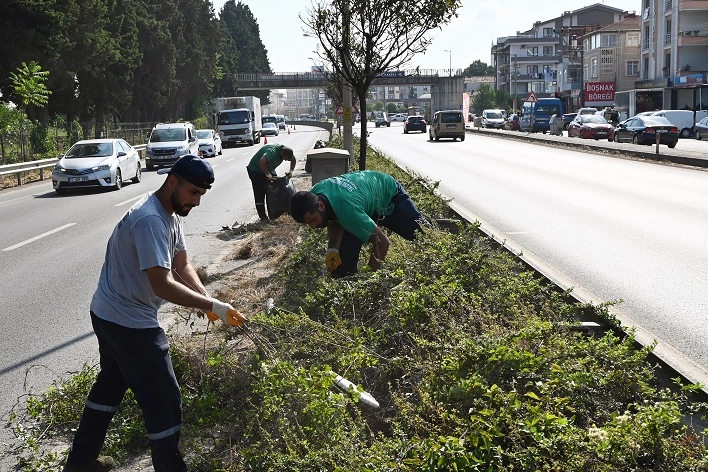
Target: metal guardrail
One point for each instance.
(22, 167)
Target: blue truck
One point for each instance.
(537, 115)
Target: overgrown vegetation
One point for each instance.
(471, 356)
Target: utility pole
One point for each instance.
(447, 50)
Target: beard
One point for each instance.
(323, 218)
(179, 208)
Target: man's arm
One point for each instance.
(379, 248)
(335, 232)
(186, 273)
(166, 287)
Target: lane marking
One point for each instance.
(31, 240)
(128, 201)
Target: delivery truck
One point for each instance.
(238, 120)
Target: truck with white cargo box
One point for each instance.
(238, 120)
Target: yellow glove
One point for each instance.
(332, 259)
(228, 314)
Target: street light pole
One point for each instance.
(447, 50)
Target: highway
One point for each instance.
(613, 229)
(51, 252)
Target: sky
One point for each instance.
(468, 37)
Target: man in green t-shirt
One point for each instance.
(261, 169)
(353, 207)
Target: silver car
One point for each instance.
(97, 163)
(209, 142)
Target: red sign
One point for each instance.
(600, 93)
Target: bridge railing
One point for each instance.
(318, 76)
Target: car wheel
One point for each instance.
(671, 145)
(138, 175)
(635, 139)
(582, 134)
(119, 180)
(405, 131)
(60, 191)
(698, 135)
(685, 133)
(462, 138)
(150, 167)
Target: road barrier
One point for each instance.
(22, 167)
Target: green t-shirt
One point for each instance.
(356, 197)
(272, 154)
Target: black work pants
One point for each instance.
(138, 359)
(260, 186)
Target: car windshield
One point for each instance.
(269, 119)
(549, 110)
(90, 150)
(594, 119)
(167, 135)
(415, 119)
(204, 134)
(269, 125)
(232, 117)
(493, 114)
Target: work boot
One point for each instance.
(102, 464)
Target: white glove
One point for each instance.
(226, 313)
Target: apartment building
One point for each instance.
(548, 58)
(611, 62)
(674, 55)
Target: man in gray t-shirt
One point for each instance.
(146, 264)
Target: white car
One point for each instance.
(209, 142)
(270, 129)
(399, 117)
(97, 163)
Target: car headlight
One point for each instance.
(99, 168)
(183, 148)
(58, 168)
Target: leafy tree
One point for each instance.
(478, 69)
(483, 98)
(29, 84)
(245, 53)
(361, 39)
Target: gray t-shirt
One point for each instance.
(146, 237)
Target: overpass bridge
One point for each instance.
(303, 80)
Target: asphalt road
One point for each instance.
(613, 229)
(51, 252)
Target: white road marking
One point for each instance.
(31, 240)
(129, 200)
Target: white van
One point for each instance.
(493, 119)
(170, 141)
(684, 120)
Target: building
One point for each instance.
(674, 56)
(611, 63)
(548, 58)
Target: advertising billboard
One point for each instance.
(600, 94)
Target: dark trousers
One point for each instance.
(138, 359)
(403, 221)
(259, 182)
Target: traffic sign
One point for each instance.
(532, 97)
(340, 110)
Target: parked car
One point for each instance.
(643, 130)
(700, 131)
(447, 124)
(270, 129)
(587, 111)
(415, 123)
(512, 123)
(398, 117)
(97, 163)
(567, 118)
(684, 120)
(209, 142)
(591, 127)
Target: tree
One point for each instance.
(362, 39)
(478, 69)
(483, 98)
(29, 84)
